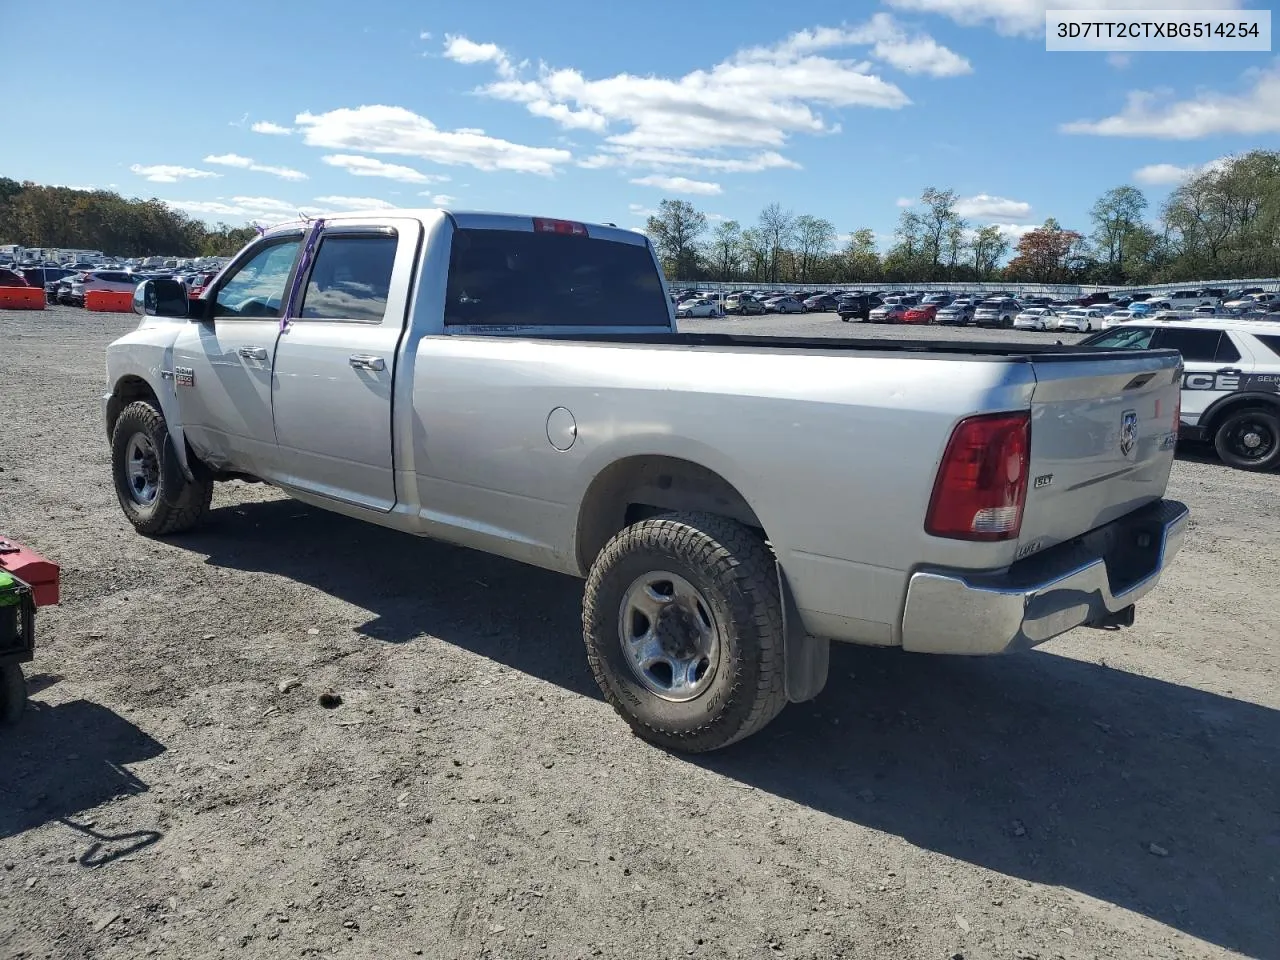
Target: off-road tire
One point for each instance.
(1222, 438)
(180, 504)
(731, 566)
(13, 694)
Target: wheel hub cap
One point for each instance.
(142, 469)
(668, 636)
(1252, 440)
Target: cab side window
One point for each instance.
(256, 290)
(1194, 345)
(351, 279)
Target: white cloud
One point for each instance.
(905, 202)
(263, 209)
(1119, 61)
(356, 203)
(462, 50)
(230, 160)
(1168, 174)
(891, 44)
(985, 205)
(443, 200)
(753, 101)
(424, 35)
(640, 210)
(266, 126)
(612, 156)
(1026, 17)
(702, 188)
(395, 130)
(168, 173)
(1015, 231)
(247, 163)
(371, 167)
(1148, 114)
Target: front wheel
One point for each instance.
(1249, 439)
(153, 491)
(683, 627)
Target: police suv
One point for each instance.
(1230, 381)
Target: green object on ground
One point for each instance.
(10, 594)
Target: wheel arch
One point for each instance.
(634, 487)
(1223, 407)
(131, 388)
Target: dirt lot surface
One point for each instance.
(1108, 795)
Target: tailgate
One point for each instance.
(1103, 431)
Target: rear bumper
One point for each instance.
(1085, 582)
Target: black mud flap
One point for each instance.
(807, 658)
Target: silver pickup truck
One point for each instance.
(518, 385)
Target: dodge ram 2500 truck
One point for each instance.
(518, 385)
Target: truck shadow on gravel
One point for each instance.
(60, 761)
(1154, 797)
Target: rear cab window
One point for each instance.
(351, 279)
(517, 278)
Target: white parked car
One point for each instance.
(1117, 317)
(1081, 319)
(118, 281)
(1036, 318)
(700, 307)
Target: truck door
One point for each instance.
(335, 361)
(1211, 366)
(222, 366)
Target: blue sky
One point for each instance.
(597, 111)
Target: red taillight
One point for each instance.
(567, 227)
(982, 483)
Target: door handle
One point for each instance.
(1226, 370)
(253, 353)
(362, 361)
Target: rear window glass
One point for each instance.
(513, 278)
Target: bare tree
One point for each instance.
(726, 249)
(777, 229)
(814, 238)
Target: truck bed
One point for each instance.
(934, 349)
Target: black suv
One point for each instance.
(856, 306)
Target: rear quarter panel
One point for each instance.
(835, 453)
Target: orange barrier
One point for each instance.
(21, 298)
(109, 301)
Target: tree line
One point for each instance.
(1221, 223)
(39, 216)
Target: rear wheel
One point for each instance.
(683, 627)
(1249, 439)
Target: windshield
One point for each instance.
(1121, 338)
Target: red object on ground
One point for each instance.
(109, 301)
(35, 571)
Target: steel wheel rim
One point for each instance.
(668, 636)
(142, 469)
(1252, 440)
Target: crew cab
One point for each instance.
(518, 385)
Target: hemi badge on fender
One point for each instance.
(184, 376)
(1042, 481)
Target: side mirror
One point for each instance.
(160, 298)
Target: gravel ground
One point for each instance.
(1108, 795)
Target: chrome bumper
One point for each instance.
(1087, 581)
